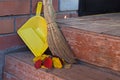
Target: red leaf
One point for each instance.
(38, 64)
(48, 62)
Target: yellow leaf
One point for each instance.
(42, 57)
(44, 67)
(57, 63)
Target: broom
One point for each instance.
(56, 41)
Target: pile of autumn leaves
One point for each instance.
(48, 62)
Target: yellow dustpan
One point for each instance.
(34, 33)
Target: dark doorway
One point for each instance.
(88, 7)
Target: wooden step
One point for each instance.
(19, 66)
(94, 39)
(8, 76)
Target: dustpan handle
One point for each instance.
(39, 8)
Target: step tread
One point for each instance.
(101, 23)
(82, 71)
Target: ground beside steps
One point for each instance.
(19, 66)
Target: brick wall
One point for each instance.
(13, 14)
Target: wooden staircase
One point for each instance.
(95, 40)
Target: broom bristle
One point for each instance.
(56, 41)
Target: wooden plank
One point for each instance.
(101, 23)
(82, 71)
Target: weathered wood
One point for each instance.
(100, 23)
(95, 38)
(82, 71)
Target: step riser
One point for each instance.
(99, 49)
